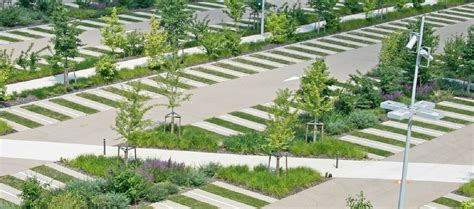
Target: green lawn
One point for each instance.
(282, 53)
(53, 173)
(10, 39)
(43, 30)
(448, 202)
(378, 138)
(12, 181)
(249, 62)
(428, 125)
(273, 59)
(262, 108)
(249, 117)
(308, 51)
(239, 197)
(340, 43)
(372, 150)
(147, 87)
(74, 106)
(198, 79)
(403, 132)
(190, 202)
(230, 125)
(215, 73)
(46, 112)
(18, 119)
(455, 110)
(21, 33)
(313, 44)
(373, 30)
(460, 101)
(456, 120)
(353, 39)
(365, 35)
(161, 79)
(99, 99)
(234, 68)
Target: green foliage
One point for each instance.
(95, 165)
(391, 79)
(468, 204)
(324, 10)
(212, 42)
(266, 182)
(134, 44)
(358, 202)
(129, 183)
(12, 16)
(468, 58)
(110, 200)
(106, 68)
(354, 6)
(280, 129)
(32, 194)
(67, 200)
(236, 10)
(363, 119)
(365, 91)
(281, 27)
(5, 128)
(328, 147)
(369, 5)
(6, 67)
(155, 44)
(250, 143)
(175, 19)
(114, 32)
(452, 56)
(199, 27)
(232, 41)
(467, 189)
(28, 60)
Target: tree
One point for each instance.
(280, 27)
(280, 129)
(369, 5)
(106, 68)
(199, 27)
(452, 60)
(114, 32)
(130, 121)
(354, 5)
(235, 10)
(313, 95)
(368, 96)
(65, 40)
(390, 79)
(6, 67)
(134, 44)
(28, 60)
(170, 89)
(155, 44)
(213, 43)
(358, 202)
(467, 70)
(323, 10)
(175, 19)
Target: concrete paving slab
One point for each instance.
(263, 61)
(41, 119)
(69, 171)
(457, 106)
(330, 45)
(243, 122)
(108, 95)
(371, 143)
(168, 204)
(61, 109)
(216, 200)
(46, 181)
(242, 65)
(215, 128)
(277, 56)
(345, 41)
(291, 51)
(419, 129)
(443, 123)
(457, 197)
(206, 75)
(258, 113)
(87, 103)
(391, 135)
(16, 126)
(10, 194)
(325, 51)
(224, 70)
(457, 115)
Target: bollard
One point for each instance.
(104, 148)
(337, 161)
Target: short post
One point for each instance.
(104, 148)
(337, 160)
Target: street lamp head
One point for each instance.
(413, 39)
(426, 53)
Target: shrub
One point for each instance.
(354, 6)
(335, 123)
(358, 202)
(280, 26)
(32, 194)
(130, 183)
(110, 200)
(210, 169)
(155, 194)
(189, 177)
(86, 189)
(134, 44)
(67, 200)
(5, 128)
(12, 16)
(95, 165)
(328, 147)
(157, 170)
(106, 68)
(363, 119)
(266, 182)
(467, 189)
(250, 143)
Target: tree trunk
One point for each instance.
(469, 85)
(269, 161)
(277, 166)
(314, 130)
(125, 157)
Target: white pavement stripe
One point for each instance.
(4, 42)
(277, 56)
(45, 180)
(146, 14)
(243, 122)
(374, 156)
(87, 103)
(69, 171)
(216, 200)
(32, 116)
(224, 70)
(436, 23)
(149, 82)
(194, 83)
(197, 7)
(11, 35)
(10, 194)
(330, 45)
(212, 4)
(370, 33)
(34, 32)
(314, 48)
(433, 205)
(242, 65)
(418, 129)
(167, 204)
(443, 123)
(453, 16)
(332, 38)
(90, 52)
(291, 51)
(206, 75)
(391, 135)
(94, 22)
(373, 144)
(107, 95)
(215, 128)
(15, 126)
(258, 113)
(457, 197)
(435, 19)
(245, 191)
(457, 115)
(146, 93)
(263, 61)
(85, 27)
(465, 99)
(64, 110)
(361, 38)
(133, 17)
(457, 106)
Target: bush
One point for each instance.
(250, 143)
(106, 68)
(467, 189)
(5, 128)
(129, 183)
(328, 147)
(32, 194)
(363, 119)
(67, 200)
(86, 189)
(95, 165)
(188, 177)
(210, 169)
(110, 200)
(335, 123)
(354, 6)
(266, 182)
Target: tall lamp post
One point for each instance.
(424, 109)
(262, 21)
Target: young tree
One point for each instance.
(452, 60)
(369, 5)
(155, 44)
(467, 71)
(175, 19)
(280, 129)
(114, 32)
(170, 89)
(130, 121)
(106, 68)
(235, 10)
(323, 10)
(65, 40)
(199, 27)
(28, 60)
(313, 95)
(368, 96)
(280, 27)
(213, 43)
(358, 202)
(6, 67)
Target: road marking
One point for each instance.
(291, 79)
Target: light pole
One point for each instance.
(262, 21)
(421, 109)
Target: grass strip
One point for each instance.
(378, 138)
(431, 23)
(370, 36)
(230, 125)
(248, 62)
(308, 51)
(234, 68)
(10, 39)
(182, 85)
(340, 43)
(18, 119)
(448, 17)
(448, 202)
(296, 56)
(456, 120)
(139, 15)
(90, 25)
(374, 30)
(12, 181)
(312, 44)
(371, 149)
(428, 125)
(239, 197)
(401, 24)
(460, 101)
(46, 112)
(461, 10)
(211, 6)
(74, 106)
(198, 79)
(129, 19)
(262, 108)
(249, 117)
(42, 30)
(190, 202)
(216, 73)
(146, 87)
(403, 132)
(387, 27)
(439, 20)
(99, 99)
(273, 59)
(22, 33)
(53, 173)
(343, 37)
(455, 110)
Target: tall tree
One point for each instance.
(313, 95)
(155, 44)
(170, 88)
(281, 128)
(235, 10)
(175, 19)
(65, 40)
(467, 71)
(130, 121)
(114, 32)
(280, 26)
(452, 60)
